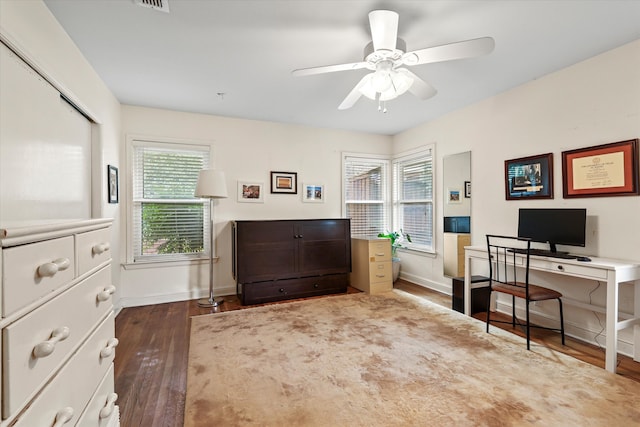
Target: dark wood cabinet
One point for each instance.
(284, 259)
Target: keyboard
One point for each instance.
(544, 252)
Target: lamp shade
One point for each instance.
(211, 184)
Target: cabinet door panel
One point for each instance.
(325, 247)
(266, 251)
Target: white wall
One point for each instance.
(30, 28)
(593, 102)
(245, 150)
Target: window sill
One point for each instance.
(418, 252)
(166, 263)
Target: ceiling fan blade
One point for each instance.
(384, 29)
(355, 93)
(329, 69)
(451, 51)
(419, 87)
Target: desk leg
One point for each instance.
(467, 285)
(636, 328)
(611, 354)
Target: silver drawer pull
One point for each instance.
(108, 350)
(379, 275)
(100, 248)
(382, 254)
(63, 416)
(45, 348)
(106, 293)
(108, 407)
(51, 268)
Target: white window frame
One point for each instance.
(417, 154)
(151, 261)
(386, 197)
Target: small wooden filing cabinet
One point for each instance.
(372, 268)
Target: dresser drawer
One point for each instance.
(379, 250)
(78, 309)
(93, 249)
(76, 382)
(102, 410)
(381, 272)
(32, 271)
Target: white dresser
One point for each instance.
(371, 265)
(58, 330)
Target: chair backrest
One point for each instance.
(503, 262)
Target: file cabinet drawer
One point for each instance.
(380, 272)
(380, 250)
(32, 271)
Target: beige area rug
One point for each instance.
(387, 360)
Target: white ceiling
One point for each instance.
(247, 49)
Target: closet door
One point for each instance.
(45, 148)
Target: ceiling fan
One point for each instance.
(386, 55)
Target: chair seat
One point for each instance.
(536, 293)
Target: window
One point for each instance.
(413, 198)
(168, 221)
(365, 194)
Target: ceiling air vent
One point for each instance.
(161, 5)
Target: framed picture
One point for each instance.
(284, 182)
(467, 189)
(112, 183)
(313, 193)
(250, 192)
(529, 177)
(454, 196)
(601, 170)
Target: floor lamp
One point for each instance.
(211, 185)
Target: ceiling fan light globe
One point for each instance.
(381, 81)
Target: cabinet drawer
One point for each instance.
(101, 410)
(380, 272)
(93, 249)
(569, 268)
(76, 382)
(255, 293)
(79, 309)
(380, 250)
(34, 270)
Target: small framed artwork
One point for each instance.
(601, 170)
(250, 192)
(112, 182)
(467, 189)
(284, 182)
(453, 196)
(529, 177)
(313, 193)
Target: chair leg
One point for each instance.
(561, 320)
(513, 311)
(488, 310)
(526, 301)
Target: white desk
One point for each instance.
(609, 271)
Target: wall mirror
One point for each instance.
(456, 178)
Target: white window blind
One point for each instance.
(366, 194)
(168, 221)
(413, 198)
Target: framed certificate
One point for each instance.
(601, 170)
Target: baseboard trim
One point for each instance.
(174, 297)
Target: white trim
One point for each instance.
(126, 178)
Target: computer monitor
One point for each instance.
(553, 226)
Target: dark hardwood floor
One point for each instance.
(151, 359)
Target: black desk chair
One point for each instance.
(504, 277)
